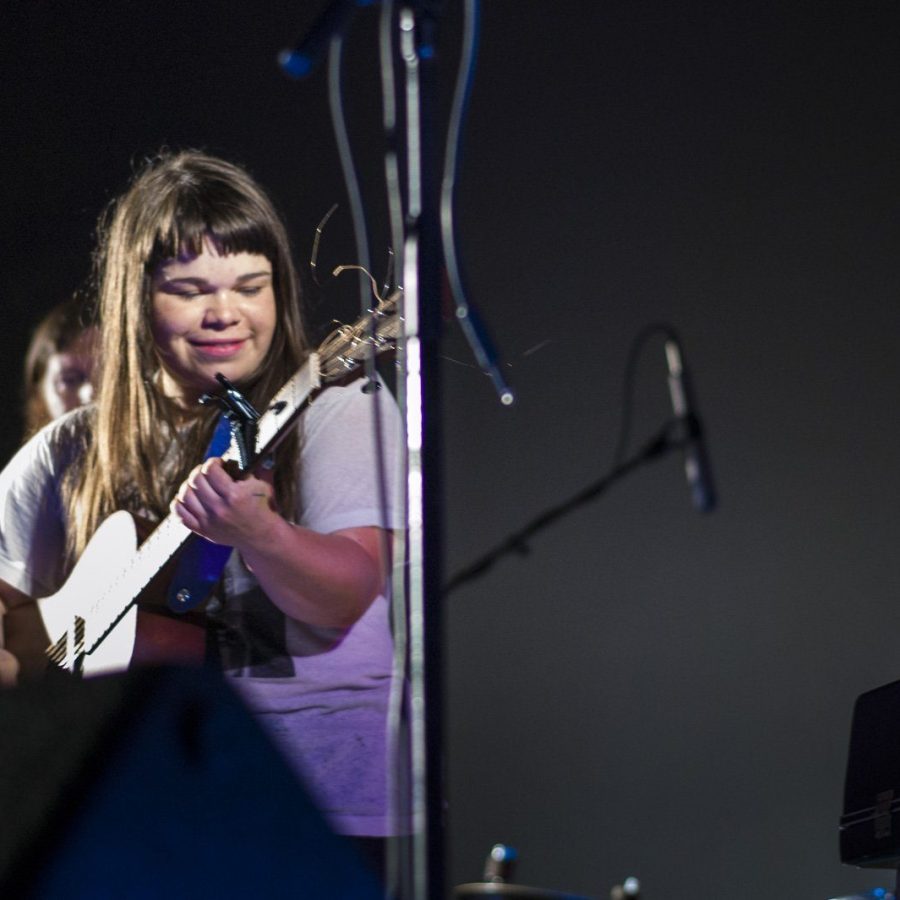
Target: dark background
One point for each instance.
(649, 691)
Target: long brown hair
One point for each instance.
(140, 446)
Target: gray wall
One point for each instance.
(649, 691)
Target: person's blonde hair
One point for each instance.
(140, 445)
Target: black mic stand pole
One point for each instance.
(421, 284)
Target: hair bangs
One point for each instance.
(193, 220)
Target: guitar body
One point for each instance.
(108, 552)
(143, 635)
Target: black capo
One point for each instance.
(242, 417)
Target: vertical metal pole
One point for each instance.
(421, 284)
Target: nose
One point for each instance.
(221, 310)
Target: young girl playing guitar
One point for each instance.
(195, 278)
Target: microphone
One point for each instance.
(696, 461)
(300, 60)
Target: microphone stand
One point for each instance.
(421, 283)
(674, 435)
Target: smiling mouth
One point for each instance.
(218, 348)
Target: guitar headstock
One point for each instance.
(348, 346)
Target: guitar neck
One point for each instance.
(285, 407)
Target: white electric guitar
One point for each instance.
(93, 620)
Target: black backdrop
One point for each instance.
(649, 691)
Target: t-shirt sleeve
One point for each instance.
(32, 537)
(346, 481)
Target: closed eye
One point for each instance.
(187, 293)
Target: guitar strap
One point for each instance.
(202, 562)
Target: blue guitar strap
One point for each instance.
(202, 562)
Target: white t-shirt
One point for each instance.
(322, 693)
